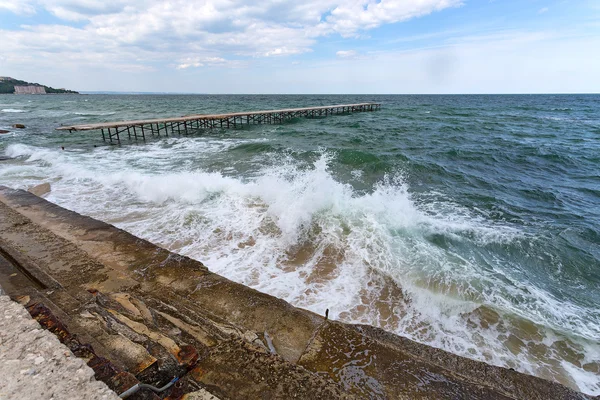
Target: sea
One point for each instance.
(470, 223)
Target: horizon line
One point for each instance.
(336, 94)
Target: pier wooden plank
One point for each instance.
(277, 116)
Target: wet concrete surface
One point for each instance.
(145, 314)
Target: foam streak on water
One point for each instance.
(379, 238)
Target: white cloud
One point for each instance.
(197, 62)
(346, 53)
(505, 62)
(350, 17)
(77, 10)
(22, 7)
(543, 10)
(137, 32)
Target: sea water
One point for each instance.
(469, 223)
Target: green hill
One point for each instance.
(7, 85)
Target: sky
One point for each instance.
(309, 46)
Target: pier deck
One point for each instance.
(138, 129)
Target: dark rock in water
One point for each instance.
(40, 190)
(3, 131)
(19, 126)
(5, 158)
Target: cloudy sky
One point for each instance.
(309, 46)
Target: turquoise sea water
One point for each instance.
(470, 223)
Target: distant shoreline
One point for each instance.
(10, 85)
(338, 94)
(38, 94)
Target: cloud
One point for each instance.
(197, 62)
(352, 55)
(543, 10)
(20, 7)
(138, 32)
(348, 18)
(346, 54)
(518, 61)
(77, 10)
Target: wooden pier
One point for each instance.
(137, 130)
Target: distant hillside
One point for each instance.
(7, 85)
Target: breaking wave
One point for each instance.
(419, 267)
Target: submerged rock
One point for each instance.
(3, 131)
(40, 190)
(19, 126)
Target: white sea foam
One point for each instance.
(12, 110)
(94, 113)
(297, 233)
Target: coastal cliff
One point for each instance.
(136, 312)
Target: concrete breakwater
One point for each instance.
(138, 313)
